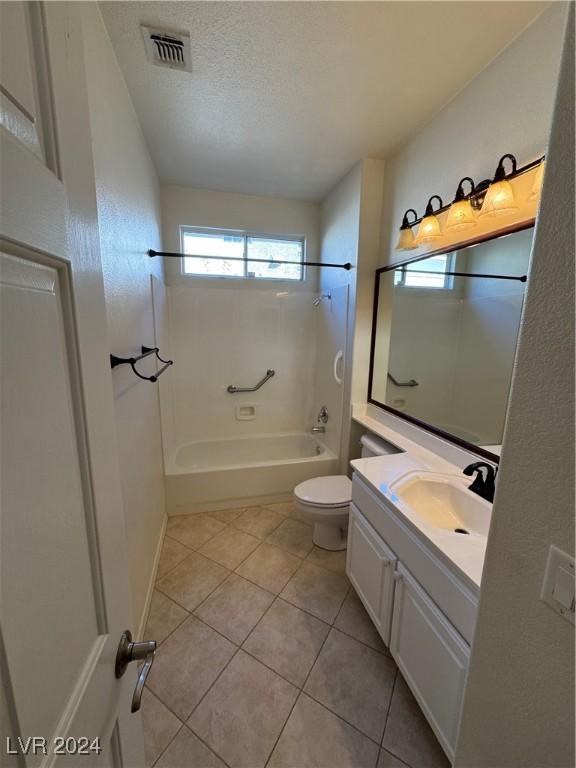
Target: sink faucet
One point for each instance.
(484, 486)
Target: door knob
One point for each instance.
(129, 651)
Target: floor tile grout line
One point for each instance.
(286, 600)
(298, 697)
(401, 760)
(185, 618)
(276, 594)
(389, 707)
(213, 683)
(341, 717)
(206, 744)
(234, 570)
(190, 552)
(207, 596)
(169, 743)
(276, 597)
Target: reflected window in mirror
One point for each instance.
(444, 339)
(433, 273)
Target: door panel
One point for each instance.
(64, 585)
(44, 497)
(431, 655)
(370, 567)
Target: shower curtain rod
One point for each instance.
(520, 278)
(173, 255)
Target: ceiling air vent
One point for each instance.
(167, 49)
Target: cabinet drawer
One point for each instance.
(370, 567)
(431, 655)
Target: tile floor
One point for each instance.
(266, 657)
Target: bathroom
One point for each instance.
(287, 384)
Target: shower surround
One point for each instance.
(225, 449)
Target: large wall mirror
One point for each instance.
(444, 339)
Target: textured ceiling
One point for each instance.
(284, 97)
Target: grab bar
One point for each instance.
(411, 383)
(232, 389)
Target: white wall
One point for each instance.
(129, 224)
(507, 108)
(269, 215)
(350, 227)
(519, 701)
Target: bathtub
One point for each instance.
(242, 471)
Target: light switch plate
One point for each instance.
(558, 587)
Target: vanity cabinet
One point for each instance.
(431, 655)
(370, 566)
(423, 611)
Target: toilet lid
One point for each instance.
(333, 491)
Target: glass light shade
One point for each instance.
(537, 185)
(460, 216)
(428, 231)
(406, 240)
(499, 199)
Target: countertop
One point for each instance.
(463, 554)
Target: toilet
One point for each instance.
(325, 501)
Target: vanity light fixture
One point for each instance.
(461, 215)
(490, 197)
(537, 185)
(499, 198)
(406, 237)
(429, 229)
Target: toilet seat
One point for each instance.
(332, 492)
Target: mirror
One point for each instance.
(444, 339)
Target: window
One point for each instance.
(432, 273)
(259, 254)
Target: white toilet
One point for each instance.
(325, 501)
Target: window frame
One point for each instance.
(245, 234)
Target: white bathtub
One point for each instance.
(240, 471)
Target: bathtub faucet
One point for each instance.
(321, 420)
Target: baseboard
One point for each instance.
(150, 591)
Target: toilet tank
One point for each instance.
(372, 445)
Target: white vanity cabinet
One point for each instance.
(424, 612)
(431, 655)
(370, 566)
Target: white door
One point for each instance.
(370, 567)
(63, 573)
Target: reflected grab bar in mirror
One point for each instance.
(232, 389)
(411, 383)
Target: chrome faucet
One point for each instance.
(321, 420)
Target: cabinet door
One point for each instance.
(431, 655)
(370, 567)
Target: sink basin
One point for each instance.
(444, 501)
